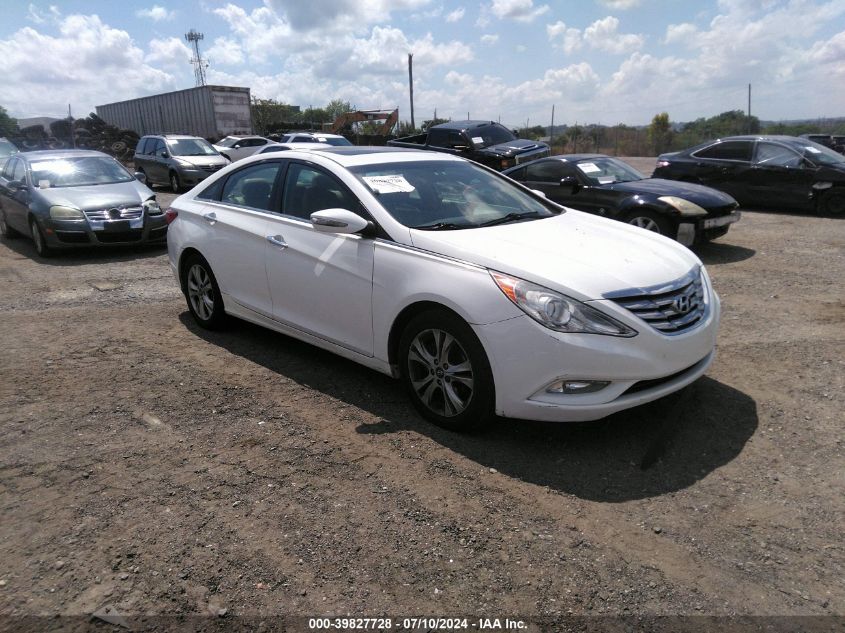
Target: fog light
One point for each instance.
(576, 386)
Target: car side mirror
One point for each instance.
(338, 221)
(460, 148)
(539, 193)
(16, 185)
(569, 181)
(236, 146)
(141, 177)
(165, 155)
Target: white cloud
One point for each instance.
(621, 5)
(170, 53)
(601, 35)
(521, 10)
(604, 35)
(226, 52)
(156, 13)
(681, 33)
(564, 37)
(489, 39)
(357, 15)
(456, 15)
(36, 15)
(87, 63)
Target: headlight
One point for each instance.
(684, 207)
(556, 311)
(151, 207)
(60, 212)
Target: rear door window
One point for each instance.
(253, 187)
(727, 150)
(141, 144)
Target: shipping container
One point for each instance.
(208, 111)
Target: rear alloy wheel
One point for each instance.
(650, 221)
(38, 239)
(833, 202)
(6, 231)
(175, 185)
(446, 371)
(203, 295)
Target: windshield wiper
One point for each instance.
(511, 217)
(440, 226)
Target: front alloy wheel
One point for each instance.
(175, 185)
(38, 239)
(446, 371)
(203, 295)
(649, 221)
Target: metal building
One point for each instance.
(208, 111)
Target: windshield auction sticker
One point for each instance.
(588, 168)
(389, 184)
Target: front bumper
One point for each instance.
(526, 358)
(192, 176)
(706, 228)
(148, 229)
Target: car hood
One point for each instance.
(516, 146)
(581, 255)
(202, 161)
(699, 194)
(97, 196)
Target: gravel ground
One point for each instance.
(150, 467)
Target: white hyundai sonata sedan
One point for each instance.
(482, 296)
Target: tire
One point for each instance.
(175, 184)
(446, 372)
(833, 202)
(650, 221)
(202, 293)
(6, 231)
(41, 246)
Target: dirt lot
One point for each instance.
(160, 469)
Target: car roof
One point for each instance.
(170, 136)
(323, 134)
(351, 156)
(50, 154)
(462, 125)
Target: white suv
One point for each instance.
(314, 137)
(237, 147)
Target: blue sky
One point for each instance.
(597, 61)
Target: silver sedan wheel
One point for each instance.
(645, 223)
(440, 372)
(201, 292)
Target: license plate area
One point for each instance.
(713, 223)
(116, 226)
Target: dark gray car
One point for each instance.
(177, 160)
(70, 198)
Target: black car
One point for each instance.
(609, 187)
(776, 171)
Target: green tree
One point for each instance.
(431, 122)
(336, 107)
(8, 125)
(660, 133)
(533, 133)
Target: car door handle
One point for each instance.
(277, 240)
(211, 218)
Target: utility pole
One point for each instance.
(749, 108)
(552, 129)
(199, 63)
(411, 84)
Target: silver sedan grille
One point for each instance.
(671, 308)
(114, 213)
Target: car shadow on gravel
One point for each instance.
(652, 450)
(716, 253)
(87, 255)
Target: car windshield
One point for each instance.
(488, 135)
(444, 195)
(77, 171)
(333, 140)
(190, 147)
(7, 149)
(606, 171)
(821, 155)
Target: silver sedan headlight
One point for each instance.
(556, 311)
(151, 207)
(61, 212)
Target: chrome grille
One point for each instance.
(212, 168)
(670, 308)
(540, 152)
(114, 213)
